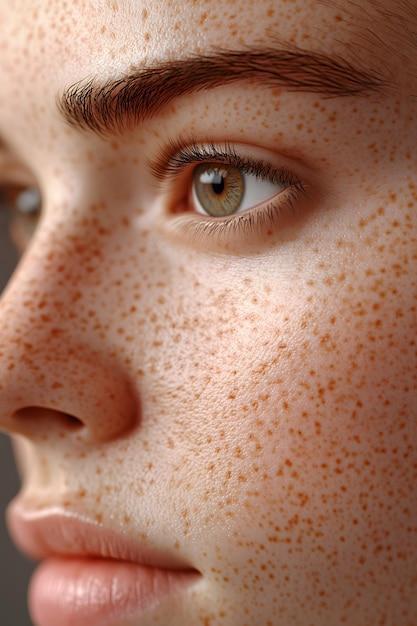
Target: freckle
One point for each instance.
(203, 18)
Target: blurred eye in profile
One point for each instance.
(23, 204)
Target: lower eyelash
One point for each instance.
(258, 220)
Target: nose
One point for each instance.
(56, 376)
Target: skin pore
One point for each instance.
(240, 392)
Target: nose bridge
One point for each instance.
(50, 367)
(39, 306)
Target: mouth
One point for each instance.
(91, 575)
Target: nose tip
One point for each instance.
(48, 388)
(55, 378)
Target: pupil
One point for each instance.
(218, 184)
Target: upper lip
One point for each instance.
(53, 531)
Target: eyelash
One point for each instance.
(174, 159)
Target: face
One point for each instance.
(208, 349)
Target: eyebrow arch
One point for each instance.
(115, 106)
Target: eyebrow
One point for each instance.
(116, 106)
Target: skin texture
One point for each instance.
(246, 400)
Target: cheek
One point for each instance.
(301, 406)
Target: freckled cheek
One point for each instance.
(337, 380)
(324, 437)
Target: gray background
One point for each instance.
(14, 569)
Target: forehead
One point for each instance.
(48, 45)
(127, 31)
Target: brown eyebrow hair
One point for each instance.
(116, 106)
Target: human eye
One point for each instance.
(23, 204)
(228, 189)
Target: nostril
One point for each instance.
(36, 415)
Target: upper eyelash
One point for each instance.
(175, 157)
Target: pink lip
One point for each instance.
(92, 575)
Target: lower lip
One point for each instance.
(99, 592)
